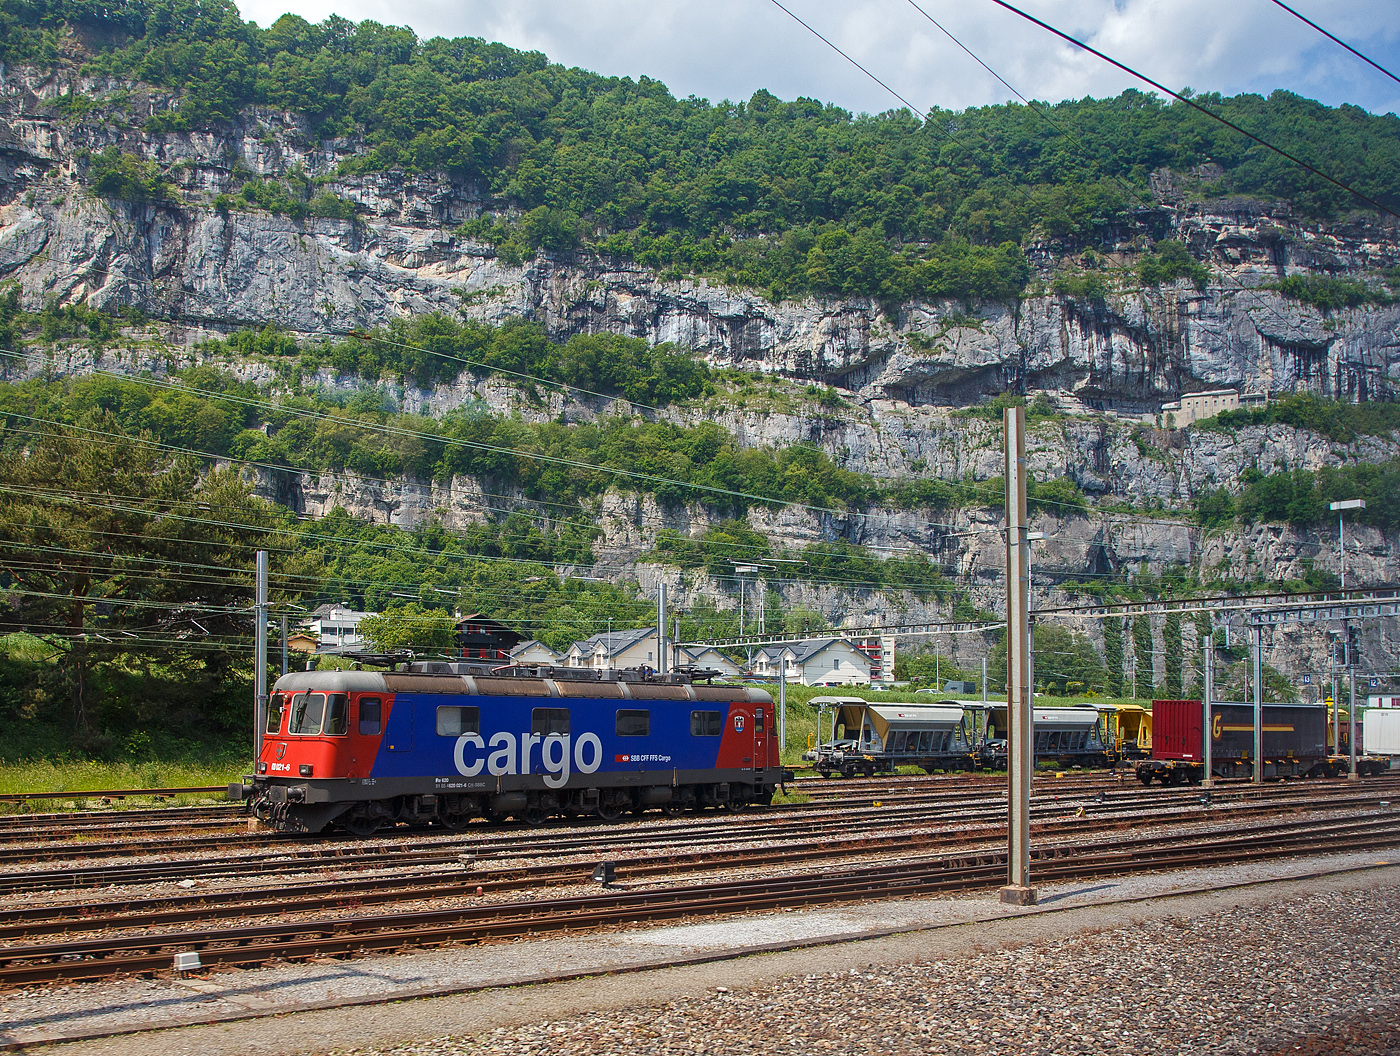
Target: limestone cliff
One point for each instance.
(902, 370)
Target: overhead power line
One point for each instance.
(1197, 106)
(1338, 40)
(918, 114)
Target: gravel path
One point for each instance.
(1296, 976)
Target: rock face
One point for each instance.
(225, 269)
(902, 372)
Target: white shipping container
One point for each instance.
(1380, 734)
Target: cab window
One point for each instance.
(453, 721)
(758, 720)
(371, 716)
(307, 709)
(274, 713)
(706, 724)
(337, 707)
(633, 723)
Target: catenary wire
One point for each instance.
(1197, 106)
(1303, 18)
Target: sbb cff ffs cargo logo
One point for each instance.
(738, 724)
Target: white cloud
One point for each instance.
(730, 48)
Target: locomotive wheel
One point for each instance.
(826, 773)
(1145, 777)
(536, 816)
(362, 826)
(611, 811)
(674, 809)
(455, 822)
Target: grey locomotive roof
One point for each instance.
(332, 681)
(377, 682)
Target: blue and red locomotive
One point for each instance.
(439, 743)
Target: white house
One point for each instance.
(336, 628)
(708, 656)
(815, 662)
(617, 649)
(535, 651)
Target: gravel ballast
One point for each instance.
(1249, 979)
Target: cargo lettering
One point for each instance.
(555, 755)
(557, 770)
(502, 761)
(459, 754)
(1215, 727)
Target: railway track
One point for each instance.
(289, 851)
(31, 921)
(106, 956)
(115, 793)
(436, 874)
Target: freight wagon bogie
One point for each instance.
(362, 751)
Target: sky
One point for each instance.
(728, 49)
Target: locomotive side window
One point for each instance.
(758, 720)
(706, 724)
(337, 705)
(453, 721)
(545, 721)
(634, 724)
(371, 716)
(274, 713)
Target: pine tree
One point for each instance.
(1113, 655)
(1171, 651)
(1142, 653)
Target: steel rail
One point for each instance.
(28, 922)
(114, 793)
(527, 842)
(256, 944)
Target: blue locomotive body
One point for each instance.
(362, 749)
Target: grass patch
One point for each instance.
(68, 780)
(780, 798)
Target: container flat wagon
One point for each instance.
(1294, 742)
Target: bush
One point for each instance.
(1172, 261)
(1329, 294)
(113, 174)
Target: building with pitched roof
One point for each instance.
(534, 651)
(615, 649)
(707, 656)
(815, 662)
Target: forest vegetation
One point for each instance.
(785, 196)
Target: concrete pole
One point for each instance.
(676, 645)
(782, 710)
(1351, 707)
(661, 628)
(984, 681)
(1258, 705)
(284, 645)
(1018, 890)
(259, 653)
(1207, 730)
